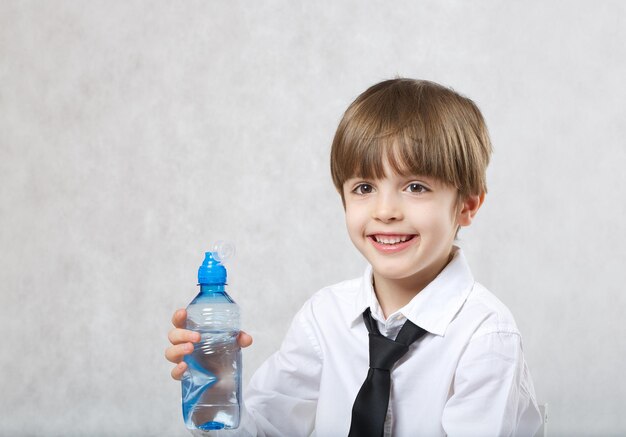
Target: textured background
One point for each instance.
(133, 133)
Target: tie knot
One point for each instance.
(384, 352)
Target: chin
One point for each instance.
(391, 272)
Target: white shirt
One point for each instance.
(466, 376)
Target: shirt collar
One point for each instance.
(435, 306)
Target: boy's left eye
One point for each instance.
(414, 187)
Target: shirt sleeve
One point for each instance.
(281, 398)
(493, 393)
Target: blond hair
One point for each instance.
(421, 128)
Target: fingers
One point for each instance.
(244, 339)
(179, 318)
(177, 372)
(178, 336)
(182, 344)
(176, 353)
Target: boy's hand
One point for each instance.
(182, 343)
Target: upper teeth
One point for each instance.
(390, 240)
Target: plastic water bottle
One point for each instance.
(212, 383)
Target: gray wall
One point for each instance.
(133, 133)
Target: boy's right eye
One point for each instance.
(363, 189)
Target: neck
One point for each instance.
(212, 288)
(393, 294)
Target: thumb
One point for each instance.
(244, 339)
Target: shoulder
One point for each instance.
(341, 293)
(332, 304)
(486, 313)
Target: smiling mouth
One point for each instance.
(391, 240)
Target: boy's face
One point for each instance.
(404, 225)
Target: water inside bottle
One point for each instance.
(211, 386)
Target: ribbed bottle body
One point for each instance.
(212, 384)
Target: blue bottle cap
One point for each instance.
(211, 271)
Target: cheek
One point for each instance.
(355, 231)
(353, 221)
(435, 220)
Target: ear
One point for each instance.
(468, 208)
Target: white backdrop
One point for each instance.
(134, 133)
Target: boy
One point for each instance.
(409, 160)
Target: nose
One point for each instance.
(388, 208)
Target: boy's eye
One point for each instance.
(363, 189)
(416, 188)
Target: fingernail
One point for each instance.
(196, 337)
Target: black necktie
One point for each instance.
(370, 406)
